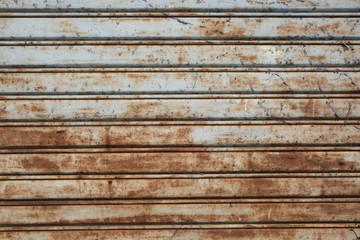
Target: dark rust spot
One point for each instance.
(40, 163)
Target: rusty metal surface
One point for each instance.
(180, 188)
(180, 56)
(179, 28)
(180, 162)
(187, 5)
(190, 109)
(132, 119)
(179, 83)
(276, 234)
(181, 213)
(182, 136)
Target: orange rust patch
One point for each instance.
(249, 59)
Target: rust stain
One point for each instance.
(40, 163)
(36, 108)
(317, 59)
(214, 28)
(178, 120)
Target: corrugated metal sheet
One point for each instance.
(193, 119)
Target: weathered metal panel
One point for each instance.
(178, 82)
(179, 188)
(180, 55)
(179, 28)
(132, 119)
(192, 135)
(190, 109)
(180, 162)
(181, 213)
(187, 5)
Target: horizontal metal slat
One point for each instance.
(179, 82)
(181, 233)
(155, 136)
(178, 55)
(179, 188)
(178, 28)
(179, 162)
(181, 213)
(190, 5)
(179, 109)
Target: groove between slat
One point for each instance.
(99, 13)
(180, 149)
(95, 202)
(177, 70)
(178, 96)
(178, 42)
(115, 123)
(180, 175)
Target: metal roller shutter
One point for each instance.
(193, 119)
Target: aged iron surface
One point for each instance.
(180, 188)
(180, 56)
(180, 28)
(193, 119)
(179, 83)
(180, 162)
(186, 5)
(189, 109)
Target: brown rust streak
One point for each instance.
(40, 163)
